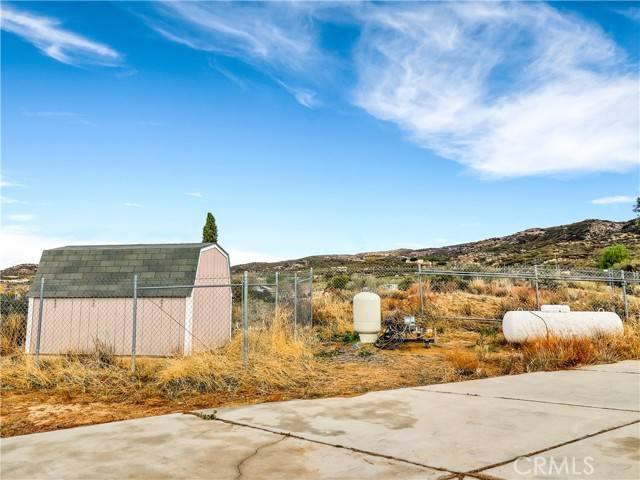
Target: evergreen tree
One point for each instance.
(210, 230)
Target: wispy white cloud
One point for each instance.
(148, 123)
(7, 184)
(8, 200)
(279, 34)
(506, 89)
(614, 199)
(68, 117)
(56, 42)
(304, 96)
(632, 13)
(193, 194)
(132, 205)
(20, 217)
(279, 38)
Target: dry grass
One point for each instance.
(12, 334)
(86, 387)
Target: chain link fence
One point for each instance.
(150, 317)
(156, 318)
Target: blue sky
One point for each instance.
(313, 128)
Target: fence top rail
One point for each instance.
(164, 287)
(524, 271)
(616, 276)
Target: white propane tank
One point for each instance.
(522, 326)
(555, 308)
(366, 316)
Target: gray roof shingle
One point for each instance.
(107, 270)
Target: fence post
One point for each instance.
(245, 318)
(295, 300)
(624, 296)
(535, 269)
(276, 300)
(134, 323)
(311, 297)
(420, 290)
(40, 313)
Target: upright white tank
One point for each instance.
(366, 316)
(521, 326)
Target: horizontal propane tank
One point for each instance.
(555, 308)
(522, 326)
(366, 316)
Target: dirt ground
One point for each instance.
(411, 365)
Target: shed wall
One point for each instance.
(211, 322)
(75, 324)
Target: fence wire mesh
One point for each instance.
(148, 317)
(156, 318)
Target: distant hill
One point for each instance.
(24, 271)
(576, 244)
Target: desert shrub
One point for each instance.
(360, 282)
(607, 303)
(406, 283)
(347, 337)
(338, 282)
(13, 329)
(477, 286)
(613, 254)
(464, 362)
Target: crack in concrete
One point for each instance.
(604, 371)
(526, 400)
(255, 452)
(543, 450)
(344, 447)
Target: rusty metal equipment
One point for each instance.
(400, 329)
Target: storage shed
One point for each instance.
(88, 298)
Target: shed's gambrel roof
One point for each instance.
(107, 270)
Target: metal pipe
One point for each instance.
(40, 313)
(535, 269)
(420, 290)
(624, 297)
(276, 300)
(134, 323)
(295, 300)
(311, 297)
(227, 285)
(245, 319)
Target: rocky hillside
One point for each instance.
(576, 244)
(24, 271)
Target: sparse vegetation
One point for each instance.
(613, 255)
(86, 387)
(339, 282)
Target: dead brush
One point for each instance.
(13, 328)
(554, 353)
(278, 359)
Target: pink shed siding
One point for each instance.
(74, 323)
(211, 306)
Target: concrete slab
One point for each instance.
(601, 389)
(627, 366)
(453, 432)
(185, 446)
(611, 455)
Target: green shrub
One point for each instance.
(339, 282)
(406, 283)
(613, 254)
